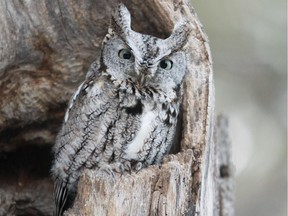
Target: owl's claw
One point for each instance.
(139, 166)
(127, 166)
(123, 167)
(108, 169)
(119, 168)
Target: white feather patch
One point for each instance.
(138, 142)
(72, 102)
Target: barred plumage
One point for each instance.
(123, 116)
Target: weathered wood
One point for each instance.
(30, 199)
(224, 170)
(46, 48)
(153, 191)
(25, 185)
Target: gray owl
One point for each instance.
(123, 116)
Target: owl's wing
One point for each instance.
(61, 185)
(79, 140)
(91, 76)
(61, 194)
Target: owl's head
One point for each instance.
(146, 60)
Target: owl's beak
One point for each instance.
(141, 75)
(144, 73)
(142, 79)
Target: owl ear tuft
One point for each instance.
(121, 20)
(179, 36)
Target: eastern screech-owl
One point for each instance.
(123, 116)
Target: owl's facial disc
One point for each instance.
(144, 59)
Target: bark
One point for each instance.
(224, 170)
(46, 48)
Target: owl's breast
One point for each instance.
(145, 126)
(147, 121)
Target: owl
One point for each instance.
(123, 116)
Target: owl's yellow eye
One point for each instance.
(166, 64)
(125, 54)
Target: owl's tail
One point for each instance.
(60, 196)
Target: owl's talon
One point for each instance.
(108, 169)
(139, 166)
(127, 166)
(122, 169)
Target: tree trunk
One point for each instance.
(46, 47)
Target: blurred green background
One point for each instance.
(248, 41)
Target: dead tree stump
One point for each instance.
(191, 182)
(45, 50)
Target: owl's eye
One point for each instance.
(125, 54)
(166, 64)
